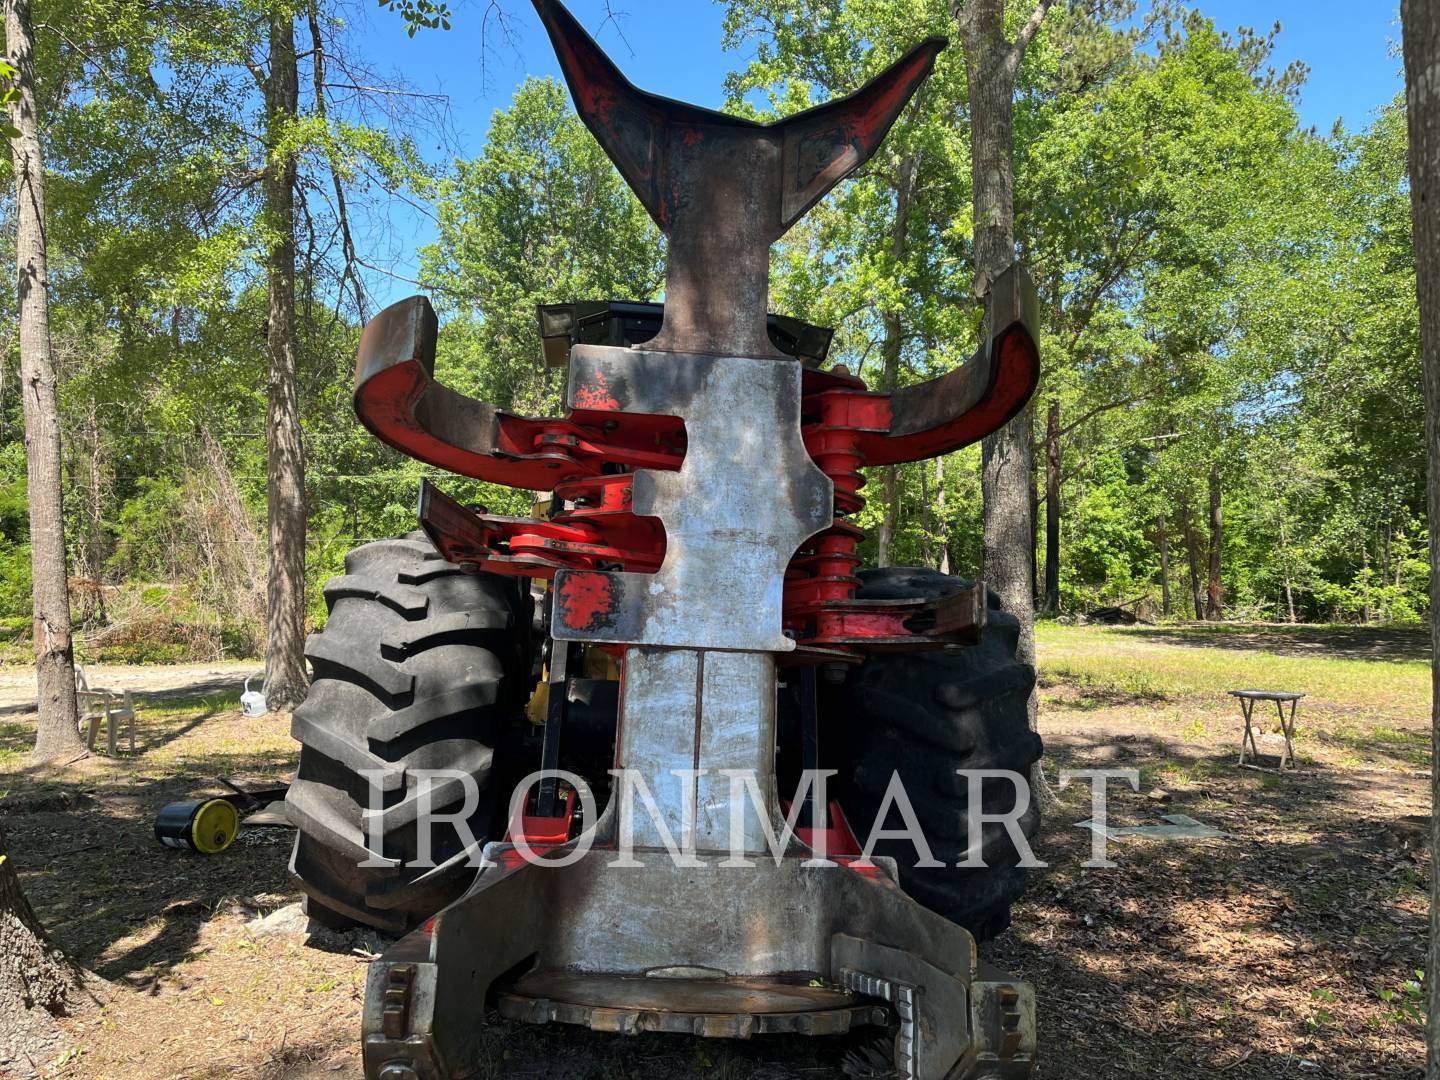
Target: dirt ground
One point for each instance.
(1281, 950)
(157, 682)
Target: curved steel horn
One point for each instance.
(724, 188)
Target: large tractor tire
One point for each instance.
(923, 716)
(420, 666)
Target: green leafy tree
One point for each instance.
(541, 216)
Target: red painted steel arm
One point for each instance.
(398, 399)
(977, 398)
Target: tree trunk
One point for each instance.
(1162, 535)
(1052, 507)
(57, 736)
(95, 541)
(1214, 595)
(942, 527)
(285, 678)
(1007, 465)
(1421, 22)
(1192, 552)
(927, 531)
(1285, 562)
(1366, 615)
(890, 499)
(35, 980)
(1034, 546)
(890, 353)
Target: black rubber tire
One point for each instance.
(923, 716)
(420, 666)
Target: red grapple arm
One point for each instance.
(969, 402)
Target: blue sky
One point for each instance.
(678, 53)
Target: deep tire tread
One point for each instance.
(403, 599)
(924, 716)
(417, 669)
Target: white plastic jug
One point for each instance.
(252, 702)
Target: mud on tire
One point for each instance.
(420, 666)
(923, 716)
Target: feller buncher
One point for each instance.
(703, 618)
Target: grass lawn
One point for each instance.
(1170, 663)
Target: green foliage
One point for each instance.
(14, 535)
(541, 216)
(8, 96)
(1407, 1004)
(420, 14)
(1227, 300)
(1225, 295)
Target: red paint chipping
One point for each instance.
(596, 396)
(586, 600)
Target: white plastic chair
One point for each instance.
(110, 707)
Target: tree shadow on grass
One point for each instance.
(111, 895)
(1379, 643)
(1186, 960)
(219, 687)
(16, 738)
(153, 732)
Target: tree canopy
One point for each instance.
(1231, 387)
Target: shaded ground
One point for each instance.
(1262, 956)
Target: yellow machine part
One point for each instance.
(596, 664)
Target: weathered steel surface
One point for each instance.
(745, 497)
(707, 419)
(685, 711)
(721, 1007)
(722, 188)
(765, 922)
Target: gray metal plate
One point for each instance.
(746, 497)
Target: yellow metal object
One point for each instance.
(595, 664)
(214, 827)
(599, 664)
(540, 700)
